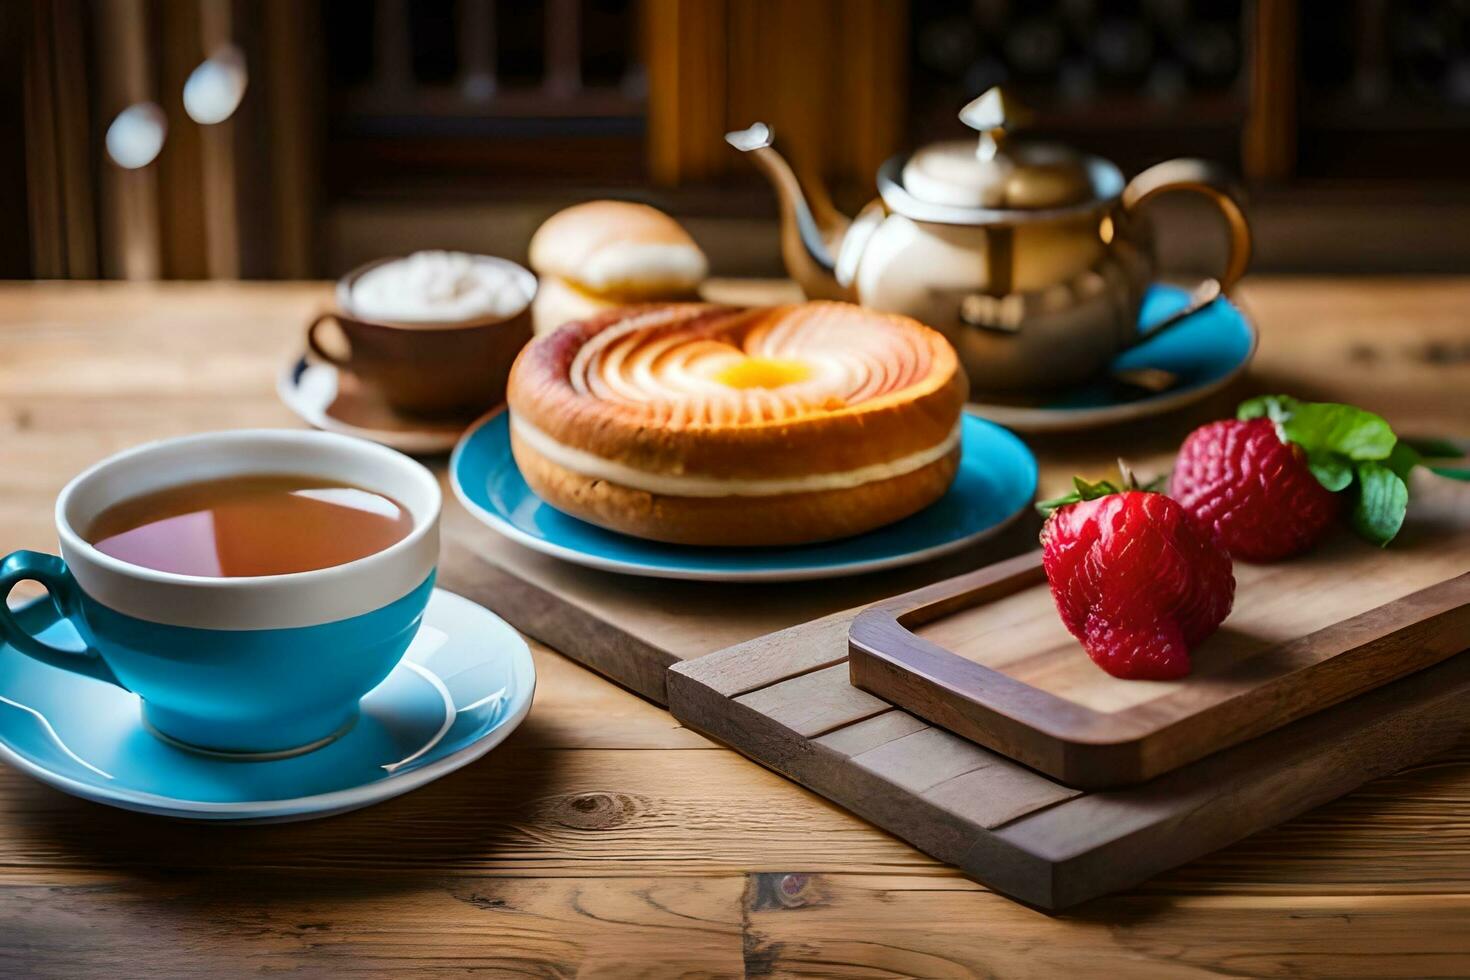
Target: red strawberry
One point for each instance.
(1136, 579)
(1254, 491)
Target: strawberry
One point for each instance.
(1254, 491)
(1270, 483)
(1136, 578)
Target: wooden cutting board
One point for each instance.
(985, 655)
(785, 701)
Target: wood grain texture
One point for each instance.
(987, 656)
(840, 925)
(1374, 884)
(238, 925)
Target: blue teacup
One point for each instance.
(271, 664)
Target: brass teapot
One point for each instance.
(1030, 257)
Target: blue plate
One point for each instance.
(463, 686)
(995, 483)
(1206, 352)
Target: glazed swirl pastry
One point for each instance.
(711, 425)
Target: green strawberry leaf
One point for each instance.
(1461, 473)
(1331, 470)
(1081, 490)
(1432, 448)
(1383, 500)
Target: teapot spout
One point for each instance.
(811, 228)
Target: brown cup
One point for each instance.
(434, 369)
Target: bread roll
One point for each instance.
(620, 251)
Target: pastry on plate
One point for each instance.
(603, 254)
(712, 425)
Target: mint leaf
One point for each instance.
(1383, 500)
(1432, 448)
(1329, 427)
(1331, 470)
(1324, 427)
(1344, 444)
(1403, 459)
(1425, 450)
(1406, 456)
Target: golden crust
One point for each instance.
(784, 519)
(895, 424)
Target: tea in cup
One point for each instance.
(250, 587)
(435, 333)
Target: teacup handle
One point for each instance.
(316, 345)
(65, 595)
(1205, 178)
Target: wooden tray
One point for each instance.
(985, 655)
(785, 701)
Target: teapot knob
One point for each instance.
(992, 115)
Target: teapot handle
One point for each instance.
(1205, 178)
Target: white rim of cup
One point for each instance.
(72, 539)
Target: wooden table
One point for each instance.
(603, 837)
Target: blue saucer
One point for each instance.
(996, 482)
(1206, 352)
(463, 686)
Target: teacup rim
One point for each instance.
(343, 309)
(73, 540)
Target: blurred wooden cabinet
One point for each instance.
(362, 117)
(829, 76)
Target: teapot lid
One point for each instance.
(998, 172)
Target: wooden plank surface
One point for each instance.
(497, 868)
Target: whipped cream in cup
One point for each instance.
(437, 287)
(435, 333)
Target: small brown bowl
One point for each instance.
(432, 369)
